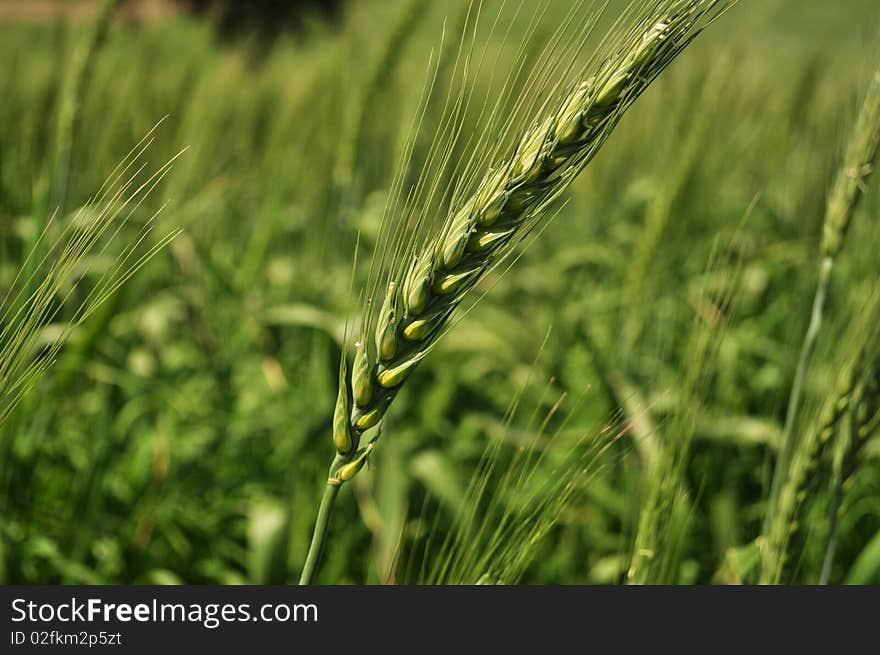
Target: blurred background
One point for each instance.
(182, 435)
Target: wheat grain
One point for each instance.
(827, 451)
(483, 227)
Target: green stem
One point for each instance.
(319, 536)
(797, 389)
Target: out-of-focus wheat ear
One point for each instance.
(859, 160)
(351, 142)
(815, 468)
(820, 460)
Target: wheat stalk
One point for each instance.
(859, 160)
(49, 279)
(481, 229)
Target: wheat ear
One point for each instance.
(484, 227)
(865, 419)
(809, 472)
(70, 105)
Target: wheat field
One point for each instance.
(614, 264)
